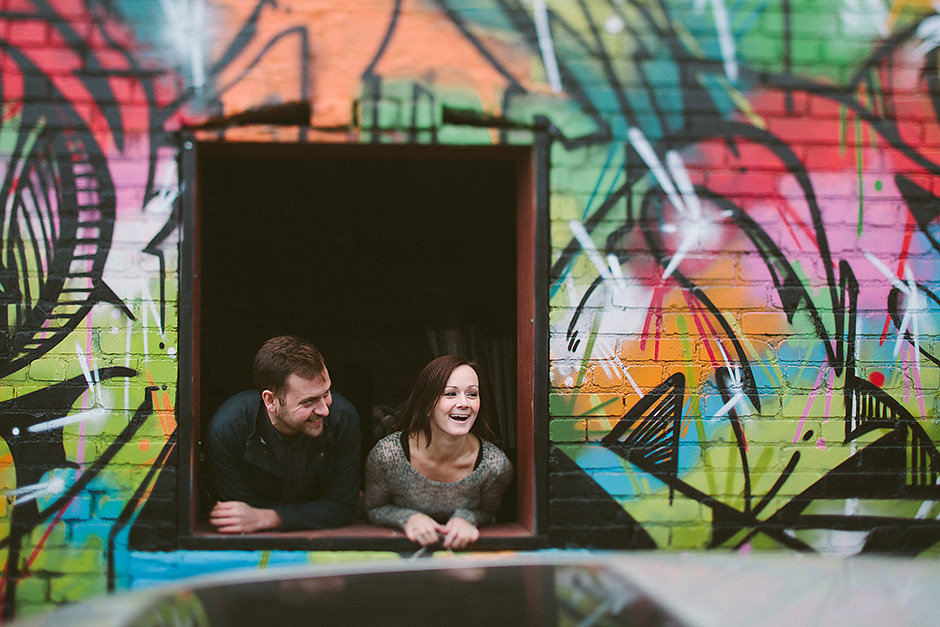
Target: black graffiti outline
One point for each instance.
(31, 462)
(21, 347)
(882, 411)
(135, 504)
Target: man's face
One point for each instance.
(302, 407)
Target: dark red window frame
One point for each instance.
(528, 531)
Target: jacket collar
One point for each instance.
(258, 451)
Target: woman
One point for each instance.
(435, 479)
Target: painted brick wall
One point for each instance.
(743, 287)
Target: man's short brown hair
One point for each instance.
(282, 356)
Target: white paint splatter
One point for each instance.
(25, 494)
(735, 386)
(90, 378)
(929, 31)
(674, 179)
(187, 33)
(590, 249)
(645, 150)
(725, 38)
(865, 17)
(98, 413)
(614, 24)
(546, 45)
(913, 305)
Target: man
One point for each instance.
(284, 456)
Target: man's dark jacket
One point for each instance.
(243, 466)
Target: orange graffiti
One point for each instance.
(424, 46)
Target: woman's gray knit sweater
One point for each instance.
(395, 490)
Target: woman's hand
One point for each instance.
(458, 533)
(422, 529)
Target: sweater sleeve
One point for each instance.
(380, 472)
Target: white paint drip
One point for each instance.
(684, 247)
(912, 310)
(681, 176)
(188, 29)
(864, 18)
(127, 362)
(727, 406)
(735, 385)
(725, 39)
(546, 45)
(617, 277)
(645, 150)
(676, 183)
(587, 245)
(154, 312)
(572, 289)
(929, 31)
(97, 413)
(90, 379)
(25, 494)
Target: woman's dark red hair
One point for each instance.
(416, 414)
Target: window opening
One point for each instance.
(384, 257)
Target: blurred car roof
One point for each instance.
(554, 587)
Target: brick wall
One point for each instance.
(743, 305)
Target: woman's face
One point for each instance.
(458, 405)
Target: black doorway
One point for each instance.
(377, 254)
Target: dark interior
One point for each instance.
(372, 255)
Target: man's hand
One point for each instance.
(422, 529)
(458, 533)
(238, 517)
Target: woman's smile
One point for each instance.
(459, 404)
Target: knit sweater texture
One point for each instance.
(395, 490)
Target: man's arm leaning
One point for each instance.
(242, 510)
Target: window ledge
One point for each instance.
(359, 537)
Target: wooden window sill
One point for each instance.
(358, 536)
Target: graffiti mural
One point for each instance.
(88, 342)
(743, 294)
(86, 335)
(744, 235)
(743, 270)
(765, 284)
(788, 290)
